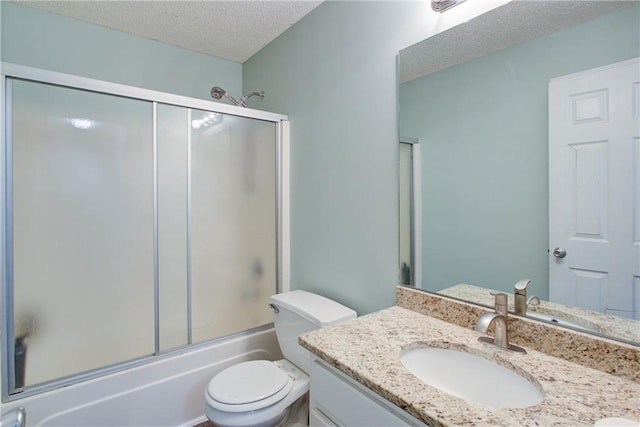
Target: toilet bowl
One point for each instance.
(263, 393)
(254, 393)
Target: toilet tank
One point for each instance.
(297, 312)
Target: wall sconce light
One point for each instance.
(444, 5)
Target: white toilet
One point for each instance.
(261, 392)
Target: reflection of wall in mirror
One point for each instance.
(405, 213)
(409, 209)
(484, 153)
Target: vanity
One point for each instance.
(358, 373)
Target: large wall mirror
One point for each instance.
(487, 103)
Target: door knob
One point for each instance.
(559, 253)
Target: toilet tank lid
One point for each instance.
(315, 308)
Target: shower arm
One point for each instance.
(243, 100)
(232, 99)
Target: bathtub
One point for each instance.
(167, 392)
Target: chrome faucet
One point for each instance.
(520, 300)
(16, 417)
(499, 319)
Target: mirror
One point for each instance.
(476, 98)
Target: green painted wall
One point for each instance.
(483, 129)
(334, 73)
(44, 40)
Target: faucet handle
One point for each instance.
(521, 285)
(501, 303)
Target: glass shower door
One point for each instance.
(133, 228)
(82, 210)
(173, 223)
(233, 223)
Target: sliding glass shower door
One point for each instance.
(233, 213)
(82, 209)
(132, 227)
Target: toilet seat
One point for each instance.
(249, 386)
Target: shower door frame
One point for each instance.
(14, 71)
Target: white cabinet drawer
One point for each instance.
(338, 399)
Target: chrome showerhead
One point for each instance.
(217, 92)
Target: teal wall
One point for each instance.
(334, 73)
(43, 40)
(483, 130)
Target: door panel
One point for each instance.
(594, 158)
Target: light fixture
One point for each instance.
(444, 5)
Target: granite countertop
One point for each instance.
(368, 350)
(602, 323)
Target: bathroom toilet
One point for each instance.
(265, 393)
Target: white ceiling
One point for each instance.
(236, 30)
(516, 22)
(232, 30)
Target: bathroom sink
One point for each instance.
(559, 320)
(471, 377)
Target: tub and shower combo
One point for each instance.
(142, 236)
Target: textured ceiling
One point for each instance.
(232, 30)
(511, 24)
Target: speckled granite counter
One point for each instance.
(613, 357)
(613, 326)
(368, 349)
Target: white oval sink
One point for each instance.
(471, 377)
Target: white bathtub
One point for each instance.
(169, 392)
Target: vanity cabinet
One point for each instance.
(338, 400)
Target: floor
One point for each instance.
(204, 424)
